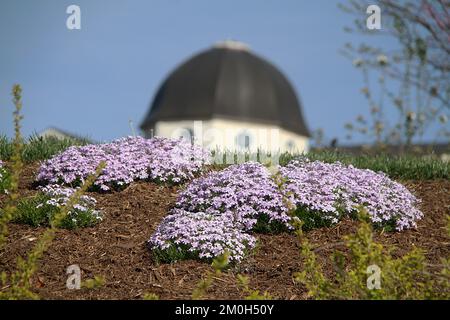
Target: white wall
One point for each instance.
(223, 133)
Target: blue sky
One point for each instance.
(94, 80)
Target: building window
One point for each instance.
(186, 134)
(290, 145)
(244, 140)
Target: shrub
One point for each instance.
(39, 210)
(324, 193)
(406, 277)
(244, 192)
(183, 235)
(127, 159)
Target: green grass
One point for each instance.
(38, 148)
(397, 167)
(406, 167)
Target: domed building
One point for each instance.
(229, 98)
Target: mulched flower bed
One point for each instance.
(116, 247)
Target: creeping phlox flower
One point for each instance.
(244, 192)
(333, 190)
(216, 212)
(59, 196)
(127, 159)
(202, 234)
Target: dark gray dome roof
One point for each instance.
(230, 83)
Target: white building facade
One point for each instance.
(228, 98)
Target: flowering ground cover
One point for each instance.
(116, 248)
(325, 193)
(215, 213)
(39, 209)
(128, 159)
(222, 210)
(185, 234)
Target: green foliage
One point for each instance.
(5, 180)
(263, 225)
(17, 285)
(93, 283)
(311, 219)
(150, 296)
(173, 253)
(19, 281)
(36, 212)
(16, 167)
(38, 148)
(406, 277)
(219, 264)
(243, 282)
(396, 167)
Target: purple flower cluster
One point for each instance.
(243, 191)
(59, 196)
(334, 190)
(215, 213)
(205, 235)
(127, 159)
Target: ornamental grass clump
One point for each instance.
(127, 159)
(324, 193)
(40, 209)
(244, 192)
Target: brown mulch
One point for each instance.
(116, 248)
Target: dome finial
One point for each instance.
(232, 44)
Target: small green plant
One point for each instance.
(93, 283)
(219, 264)
(17, 285)
(39, 210)
(150, 296)
(407, 277)
(250, 294)
(16, 167)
